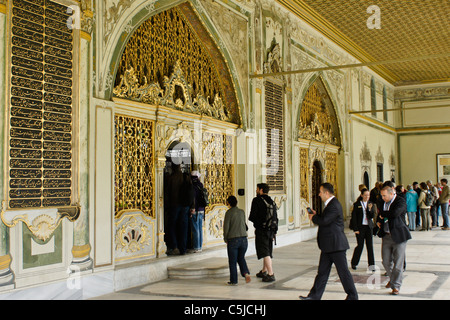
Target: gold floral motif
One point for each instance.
(132, 236)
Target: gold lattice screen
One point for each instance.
(134, 165)
(161, 41)
(218, 159)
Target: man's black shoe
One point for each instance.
(305, 298)
(261, 274)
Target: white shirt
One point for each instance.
(365, 222)
(326, 202)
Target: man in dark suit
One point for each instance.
(362, 224)
(394, 234)
(333, 245)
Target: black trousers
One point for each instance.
(365, 235)
(323, 273)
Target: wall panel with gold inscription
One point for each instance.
(40, 110)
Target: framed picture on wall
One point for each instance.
(443, 165)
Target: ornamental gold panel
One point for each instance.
(40, 106)
(134, 165)
(304, 174)
(318, 121)
(218, 167)
(331, 169)
(161, 42)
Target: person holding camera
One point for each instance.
(333, 245)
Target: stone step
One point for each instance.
(201, 269)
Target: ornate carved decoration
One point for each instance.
(379, 156)
(41, 222)
(132, 236)
(177, 94)
(274, 60)
(216, 224)
(304, 174)
(171, 43)
(365, 153)
(317, 122)
(331, 170)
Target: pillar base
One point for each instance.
(81, 259)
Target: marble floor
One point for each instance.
(427, 276)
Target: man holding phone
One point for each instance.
(333, 245)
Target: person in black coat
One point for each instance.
(362, 224)
(333, 244)
(394, 234)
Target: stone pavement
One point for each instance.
(427, 276)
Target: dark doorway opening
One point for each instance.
(316, 182)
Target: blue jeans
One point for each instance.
(178, 228)
(197, 229)
(237, 247)
(412, 221)
(444, 209)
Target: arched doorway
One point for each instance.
(178, 154)
(316, 182)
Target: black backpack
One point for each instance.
(271, 221)
(203, 196)
(428, 199)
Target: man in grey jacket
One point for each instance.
(235, 236)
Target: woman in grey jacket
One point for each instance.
(235, 236)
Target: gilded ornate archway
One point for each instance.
(320, 140)
(174, 70)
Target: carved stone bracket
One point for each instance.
(41, 222)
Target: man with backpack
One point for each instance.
(264, 216)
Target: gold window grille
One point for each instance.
(274, 122)
(134, 165)
(218, 165)
(40, 105)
